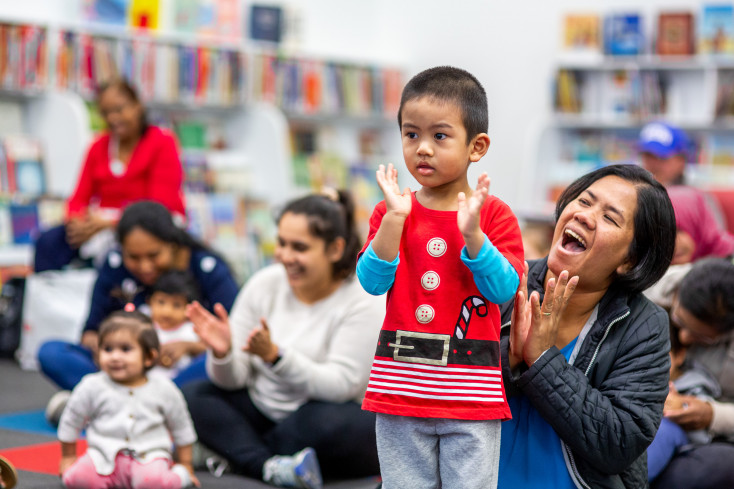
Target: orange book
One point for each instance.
(582, 31)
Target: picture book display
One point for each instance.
(675, 34)
(623, 34)
(581, 32)
(716, 29)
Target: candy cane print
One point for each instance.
(471, 304)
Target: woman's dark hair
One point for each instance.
(450, 84)
(127, 89)
(329, 219)
(139, 325)
(653, 242)
(707, 292)
(153, 218)
(177, 282)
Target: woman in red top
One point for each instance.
(131, 161)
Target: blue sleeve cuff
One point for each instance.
(376, 275)
(494, 276)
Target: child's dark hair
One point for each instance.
(706, 292)
(136, 323)
(127, 89)
(177, 282)
(328, 220)
(449, 84)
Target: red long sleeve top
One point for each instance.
(153, 173)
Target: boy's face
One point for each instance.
(435, 148)
(168, 310)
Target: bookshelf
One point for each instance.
(246, 102)
(601, 103)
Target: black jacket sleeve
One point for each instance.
(608, 418)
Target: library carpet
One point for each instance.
(29, 442)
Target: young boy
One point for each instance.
(446, 255)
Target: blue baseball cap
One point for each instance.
(663, 140)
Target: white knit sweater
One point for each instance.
(326, 348)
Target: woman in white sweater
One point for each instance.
(290, 364)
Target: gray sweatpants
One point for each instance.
(428, 453)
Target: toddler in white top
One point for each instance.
(169, 296)
(130, 418)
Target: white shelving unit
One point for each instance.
(615, 103)
(257, 134)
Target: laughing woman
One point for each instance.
(585, 359)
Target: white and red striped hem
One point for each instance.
(469, 384)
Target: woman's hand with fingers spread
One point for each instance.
(520, 322)
(213, 330)
(546, 317)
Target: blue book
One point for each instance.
(29, 177)
(266, 23)
(623, 34)
(24, 220)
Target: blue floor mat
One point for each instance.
(27, 421)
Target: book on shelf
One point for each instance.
(266, 23)
(199, 177)
(163, 72)
(716, 29)
(106, 11)
(23, 56)
(653, 102)
(6, 224)
(623, 34)
(623, 93)
(725, 94)
(144, 14)
(581, 32)
(229, 19)
(567, 98)
(24, 222)
(206, 23)
(29, 177)
(185, 16)
(21, 165)
(675, 36)
(718, 151)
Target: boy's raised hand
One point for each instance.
(395, 200)
(467, 217)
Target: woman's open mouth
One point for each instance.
(572, 242)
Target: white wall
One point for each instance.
(510, 46)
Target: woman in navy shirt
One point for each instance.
(150, 244)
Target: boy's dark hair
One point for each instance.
(707, 292)
(653, 242)
(136, 323)
(449, 84)
(177, 282)
(330, 219)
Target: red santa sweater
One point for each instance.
(438, 351)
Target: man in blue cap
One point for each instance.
(664, 149)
